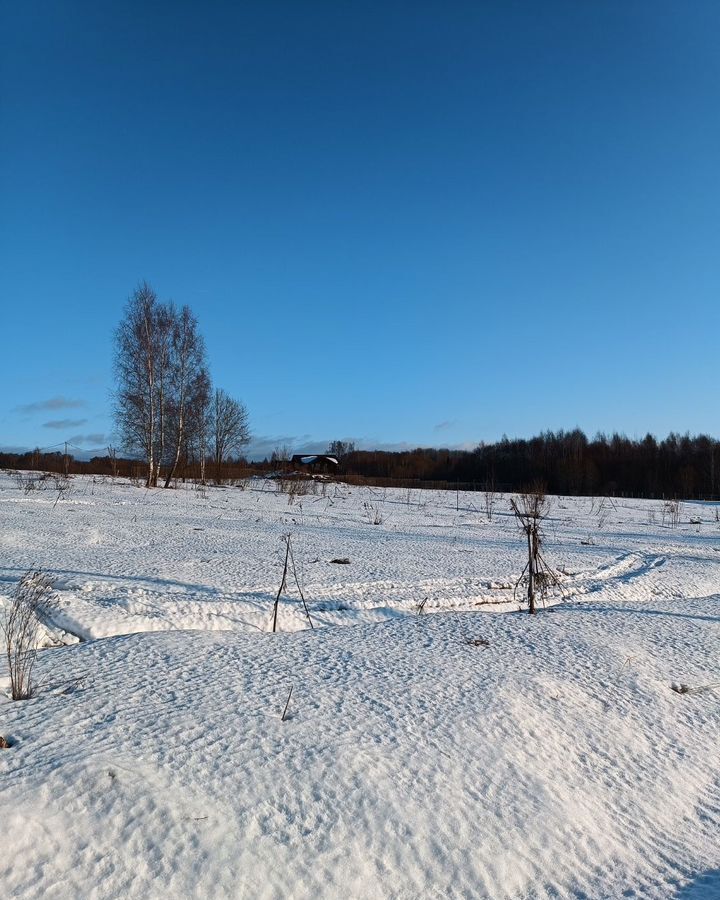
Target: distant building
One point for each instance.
(315, 462)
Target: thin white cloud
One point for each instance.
(97, 439)
(64, 423)
(52, 404)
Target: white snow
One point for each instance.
(456, 754)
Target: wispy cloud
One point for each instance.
(51, 405)
(445, 424)
(94, 440)
(64, 423)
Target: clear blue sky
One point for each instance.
(400, 222)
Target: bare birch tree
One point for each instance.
(157, 354)
(164, 407)
(230, 428)
(136, 364)
(200, 422)
(187, 378)
(164, 327)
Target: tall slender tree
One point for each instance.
(136, 371)
(230, 428)
(200, 422)
(187, 380)
(162, 379)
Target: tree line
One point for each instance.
(166, 409)
(565, 462)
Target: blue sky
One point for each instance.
(404, 223)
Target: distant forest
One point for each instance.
(565, 462)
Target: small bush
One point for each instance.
(29, 605)
(373, 513)
(671, 512)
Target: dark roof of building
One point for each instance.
(307, 459)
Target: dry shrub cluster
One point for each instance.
(29, 607)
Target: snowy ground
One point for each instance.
(462, 754)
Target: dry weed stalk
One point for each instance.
(490, 497)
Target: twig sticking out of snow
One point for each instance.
(282, 718)
(289, 558)
(282, 585)
(297, 582)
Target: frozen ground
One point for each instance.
(463, 754)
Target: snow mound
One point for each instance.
(462, 755)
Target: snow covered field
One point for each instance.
(463, 754)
